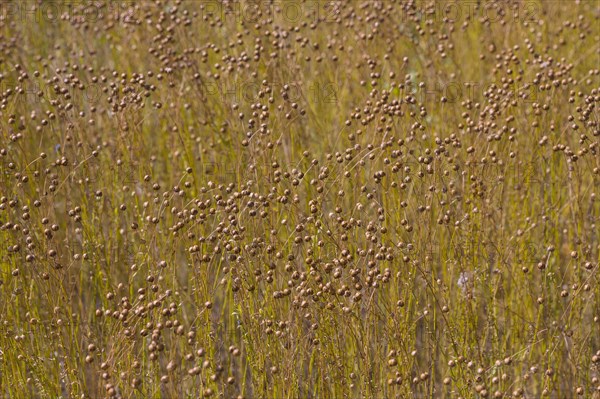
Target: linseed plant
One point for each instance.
(299, 199)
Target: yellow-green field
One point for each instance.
(290, 199)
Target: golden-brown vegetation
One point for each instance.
(299, 199)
